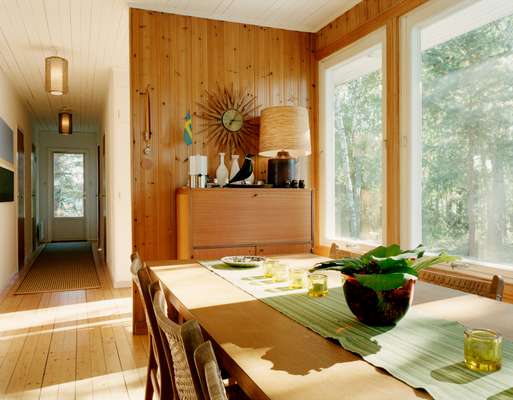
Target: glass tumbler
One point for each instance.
(297, 278)
(317, 285)
(483, 350)
(280, 272)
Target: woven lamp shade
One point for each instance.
(56, 75)
(284, 128)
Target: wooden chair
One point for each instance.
(158, 378)
(209, 373)
(337, 253)
(493, 289)
(182, 340)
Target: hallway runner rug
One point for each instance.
(59, 267)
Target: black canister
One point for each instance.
(281, 170)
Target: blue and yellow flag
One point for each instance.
(187, 130)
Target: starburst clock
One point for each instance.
(230, 125)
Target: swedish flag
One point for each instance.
(187, 130)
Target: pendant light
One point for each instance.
(65, 123)
(56, 75)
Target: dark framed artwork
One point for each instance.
(6, 185)
(6, 142)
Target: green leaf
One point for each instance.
(380, 282)
(426, 262)
(345, 265)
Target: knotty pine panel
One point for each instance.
(180, 57)
(363, 18)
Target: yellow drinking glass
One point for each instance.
(280, 272)
(483, 350)
(297, 278)
(269, 267)
(317, 285)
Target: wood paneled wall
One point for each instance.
(179, 58)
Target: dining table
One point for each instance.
(271, 356)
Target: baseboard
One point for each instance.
(17, 277)
(100, 261)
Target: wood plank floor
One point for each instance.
(71, 345)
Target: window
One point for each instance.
(352, 134)
(460, 149)
(68, 185)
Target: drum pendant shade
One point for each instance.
(56, 75)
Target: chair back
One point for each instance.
(337, 253)
(145, 277)
(493, 289)
(209, 372)
(182, 340)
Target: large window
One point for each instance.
(461, 147)
(352, 142)
(68, 185)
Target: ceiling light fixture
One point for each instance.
(65, 123)
(56, 74)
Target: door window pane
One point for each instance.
(68, 185)
(467, 135)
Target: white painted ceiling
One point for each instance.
(299, 15)
(93, 36)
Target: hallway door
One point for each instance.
(68, 191)
(21, 200)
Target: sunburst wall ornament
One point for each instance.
(230, 125)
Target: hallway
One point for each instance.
(71, 344)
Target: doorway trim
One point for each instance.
(49, 214)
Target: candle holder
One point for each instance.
(280, 273)
(297, 278)
(483, 350)
(317, 285)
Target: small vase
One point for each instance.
(222, 171)
(235, 166)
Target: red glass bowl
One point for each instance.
(378, 308)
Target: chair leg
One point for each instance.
(148, 393)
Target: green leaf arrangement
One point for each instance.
(385, 268)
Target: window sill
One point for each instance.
(466, 267)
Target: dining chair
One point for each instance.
(209, 372)
(182, 341)
(158, 377)
(337, 253)
(493, 289)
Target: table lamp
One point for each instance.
(284, 135)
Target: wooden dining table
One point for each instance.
(273, 357)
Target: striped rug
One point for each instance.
(59, 267)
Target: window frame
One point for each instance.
(326, 136)
(84, 203)
(410, 101)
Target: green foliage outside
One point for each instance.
(467, 144)
(68, 185)
(467, 135)
(358, 155)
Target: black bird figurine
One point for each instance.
(245, 171)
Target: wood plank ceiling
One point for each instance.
(89, 32)
(86, 32)
(297, 15)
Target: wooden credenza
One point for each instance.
(213, 223)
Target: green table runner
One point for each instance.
(421, 351)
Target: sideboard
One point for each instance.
(217, 222)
